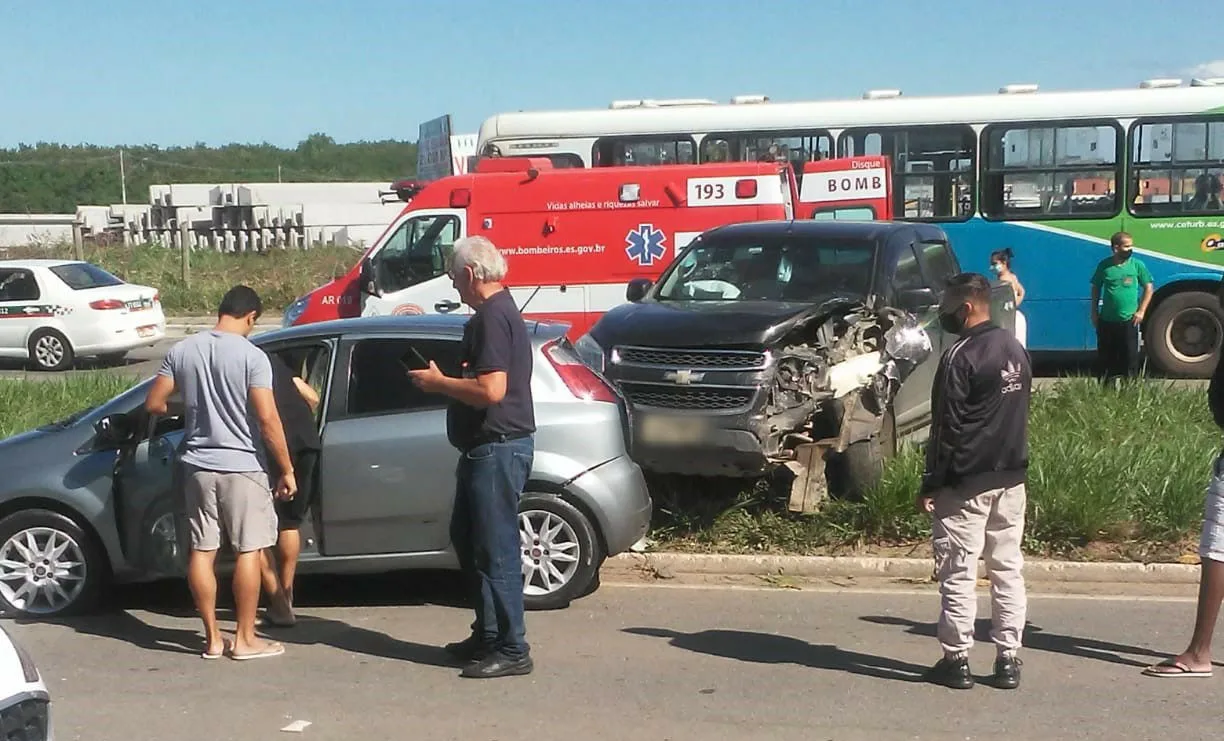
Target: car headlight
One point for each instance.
(295, 311)
(590, 352)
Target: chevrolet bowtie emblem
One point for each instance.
(683, 377)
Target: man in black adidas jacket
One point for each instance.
(976, 462)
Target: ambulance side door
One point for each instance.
(408, 273)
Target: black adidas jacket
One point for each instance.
(979, 410)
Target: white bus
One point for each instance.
(1050, 174)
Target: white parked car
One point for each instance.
(25, 703)
(55, 311)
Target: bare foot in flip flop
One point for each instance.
(259, 650)
(216, 649)
(1177, 667)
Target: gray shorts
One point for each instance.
(241, 503)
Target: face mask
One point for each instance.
(954, 322)
(997, 268)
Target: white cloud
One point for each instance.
(1207, 69)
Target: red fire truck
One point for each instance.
(574, 238)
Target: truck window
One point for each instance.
(907, 275)
(418, 251)
(938, 262)
(771, 269)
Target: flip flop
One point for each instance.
(274, 649)
(1181, 671)
(226, 647)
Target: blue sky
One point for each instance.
(174, 72)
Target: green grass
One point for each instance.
(28, 404)
(1110, 472)
(1113, 474)
(279, 276)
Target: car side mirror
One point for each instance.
(637, 289)
(115, 430)
(369, 285)
(916, 299)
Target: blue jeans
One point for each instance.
(485, 533)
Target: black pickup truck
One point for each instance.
(783, 342)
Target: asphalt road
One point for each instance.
(629, 662)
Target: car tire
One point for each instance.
(1185, 333)
(572, 534)
(49, 530)
(50, 350)
(863, 462)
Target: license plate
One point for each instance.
(665, 430)
(140, 304)
(145, 331)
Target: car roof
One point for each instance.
(865, 230)
(437, 324)
(32, 264)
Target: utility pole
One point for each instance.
(278, 173)
(122, 177)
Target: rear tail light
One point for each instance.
(745, 188)
(582, 382)
(157, 297)
(107, 304)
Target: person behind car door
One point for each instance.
(296, 402)
(974, 481)
(1123, 286)
(1001, 265)
(492, 423)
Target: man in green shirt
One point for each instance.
(1123, 287)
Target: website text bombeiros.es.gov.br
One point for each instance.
(550, 249)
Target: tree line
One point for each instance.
(56, 178)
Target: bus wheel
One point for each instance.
(1184, 334)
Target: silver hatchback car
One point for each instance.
(90, 500)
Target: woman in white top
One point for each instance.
(1000, 264)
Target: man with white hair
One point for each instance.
(492, 423)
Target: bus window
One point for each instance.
(933, 171)
(1039, 171)
(643, 151)
(1177, 167)
(795, 147)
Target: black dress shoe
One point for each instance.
(498, 665)
(953, 673)
(1007, 672)
(468, 650)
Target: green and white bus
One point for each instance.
(1050, 174)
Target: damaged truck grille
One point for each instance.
(694, 359)
(649, 395)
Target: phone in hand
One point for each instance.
(413, 360)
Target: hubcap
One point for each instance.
(550, 552)
(1193, 335)
(49, 351)
(163, 536)
(42, 570)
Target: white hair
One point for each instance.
(479, 254)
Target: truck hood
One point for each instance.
(708, 323)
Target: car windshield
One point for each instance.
(82, 275)
(772, 269)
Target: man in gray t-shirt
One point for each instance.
(226, 386)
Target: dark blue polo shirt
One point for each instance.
(494, 339)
